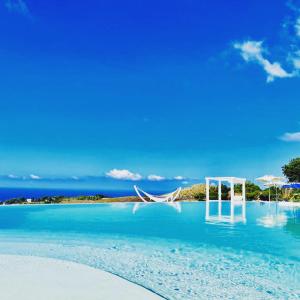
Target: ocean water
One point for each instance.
(9, 193)
(172, 250)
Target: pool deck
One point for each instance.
(28, 277)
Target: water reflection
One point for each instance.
(293, 225)
(269, 221)
(139, 205)
(277, 216)
(225, 212)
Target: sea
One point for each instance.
(32, 193)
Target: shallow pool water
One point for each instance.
(172, 250)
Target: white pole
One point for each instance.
(220, 198)
(244, 200)
(207, 199)
(231, 200)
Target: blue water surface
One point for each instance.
(172, 250)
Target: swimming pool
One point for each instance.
(174, 251)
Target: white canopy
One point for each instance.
(269, 178)
(275, 183)
(234, 180)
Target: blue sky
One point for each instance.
(122, 90)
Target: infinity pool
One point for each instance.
(172, 250)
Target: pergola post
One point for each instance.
(219, 198)
(244, 200)
(231, 200)
(207, 198)
(207, 189)
(239, 200)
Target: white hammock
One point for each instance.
(162, 198)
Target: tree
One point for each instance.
(252, 190)
(292, 170)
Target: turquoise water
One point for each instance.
(173, 251)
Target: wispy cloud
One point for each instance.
(18, 6)
(295, 59)
(34, 177)
(123, 175)
(297, 27)
(253, 51)
(155, 177)
(291, 137)
(12, 176)
(178, 177)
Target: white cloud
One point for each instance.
(296, 62)
(297, 27)
(274, 70)
(18, 6)
(155, 177)
(178, 177)
(12, 176)
(295, 58)
(252, 51)
(123, 175)
(291, 137)
(34, 177)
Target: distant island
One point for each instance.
(69, 200)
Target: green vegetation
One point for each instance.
(55, 199)
(292, 170)
(292, 173)
(295, 197)
(290, 195)
(253, 191)
(20, 200)
(197, 192)
(92, 198)
(46, 199)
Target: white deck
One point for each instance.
(30, 278)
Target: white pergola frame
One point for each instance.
(234, 200)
